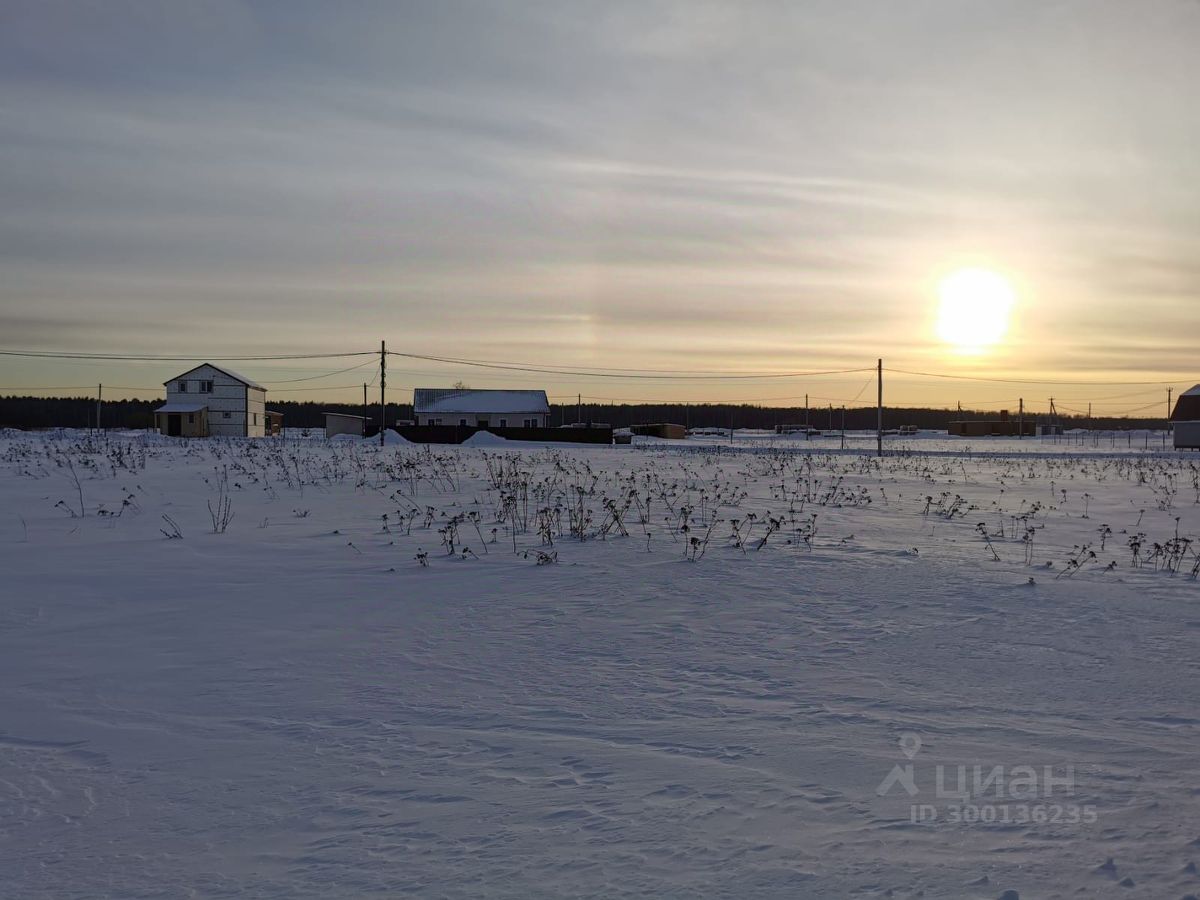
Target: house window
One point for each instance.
(254, 418)
(226, 414)
(191, 418)
(482, 423)
(462, 421)
(504, 423)
(181, 387)
(531, 423)
(206, 387)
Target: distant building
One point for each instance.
(481, 408)
(1002, 427)
(660, 430)
(343, 423)
(212, 400)
(1185, 420)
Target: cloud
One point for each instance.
(595, 180)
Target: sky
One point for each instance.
(711, 188)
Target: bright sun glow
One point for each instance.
(974, 309)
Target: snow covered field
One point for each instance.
(660, 670)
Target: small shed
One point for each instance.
(1185, 420)
(344, 423)
(660, 430)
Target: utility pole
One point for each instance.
(1021, 418)
(99, 404)
(806, 428)
(382, 395)
(1169, 403)
(366, 414)
(879, 411)
(843, 428)
(578, 408)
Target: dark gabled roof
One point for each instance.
(232, 374)
(1187, 407)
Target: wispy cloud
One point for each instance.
(751, 185)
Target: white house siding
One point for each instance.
(256, 412)
(228, 404)
(511, 419)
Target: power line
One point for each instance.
(82, 387)
(325, 375)
(1026, 381)
(39, 354)
(549, 367)
(620, 374)
(328, 387)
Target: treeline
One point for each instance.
(724, 415)
(80, 412)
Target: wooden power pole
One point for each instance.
(382, 395)
(879, 410)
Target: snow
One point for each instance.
(298, 707)
(391, 438)
(485, 439)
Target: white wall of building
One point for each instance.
(493, 419)
(256, 412)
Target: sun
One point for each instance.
(974, 308)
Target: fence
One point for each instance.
(456, 434)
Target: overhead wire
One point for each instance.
(47, 354)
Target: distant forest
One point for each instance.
(80, 412)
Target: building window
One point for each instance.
(206, 387)
(181, 387)
(462, 421)
(504, 423)
(191, 418)
(226, 414)
(482, 423)
(531, 423)
(254, 418)
(433, 422)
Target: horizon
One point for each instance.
(972, 190)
